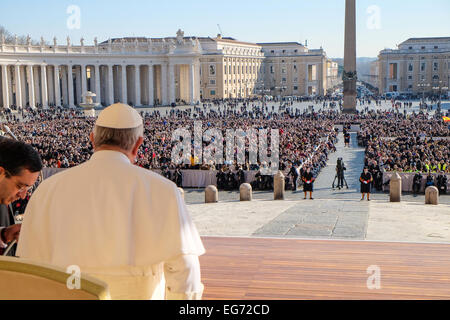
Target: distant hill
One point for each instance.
(362, 65)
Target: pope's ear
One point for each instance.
(91, 137)
(137, 145)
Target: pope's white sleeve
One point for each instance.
(183, 281)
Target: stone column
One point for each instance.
(432, 195)
(5, 86)
(197, 80)
(349, 75)
(37, 85)
(65, 97)
(70, 85)
(395, 188)
(83, 82)
(50, 84)
(31, 86)
(245, 192)
(211, 194)
(137, 85)
(124, 84)
(44, 92)
(11, 86)
(18, 86)
(151, 97)
(110, 85)
(192, 83)
(78, 84)
(57, 89)
(278, 186)
(23, 82)
(171, 83)
(97, 83)
(164, 84)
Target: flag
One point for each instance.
(446, 119)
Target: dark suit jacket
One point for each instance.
(7, 219)
(293, 171)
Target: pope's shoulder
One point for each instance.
(134, 171)
(149, 174)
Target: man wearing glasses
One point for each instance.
(20, 165)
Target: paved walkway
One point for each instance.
(333, 213)
(353, 157)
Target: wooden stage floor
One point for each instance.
(263, 268)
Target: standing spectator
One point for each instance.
(365, 179)
(308, 181)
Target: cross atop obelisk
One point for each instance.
(349, 75)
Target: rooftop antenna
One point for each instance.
(220, 30)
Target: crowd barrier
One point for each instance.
(204, 178)
(191, 178)
(353, 127)
(421, 138)
(407, 180)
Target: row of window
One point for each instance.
(246, 69)
(423, 47)
(240, 69)
(213, 92)
(229, 81)
(283, 70)
(283, 51)
(423, 66)
(422, 77)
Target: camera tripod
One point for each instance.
(343, 178)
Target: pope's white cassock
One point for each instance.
(118, 222)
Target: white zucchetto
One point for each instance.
(119, 116)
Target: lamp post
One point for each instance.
(439, 89)
(423, 85)
(262, 89)
(281, 88)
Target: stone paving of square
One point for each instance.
(333, 214)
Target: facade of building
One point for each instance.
(292, 69)
(418, 66)
(373, 77)
(332, 74)
(229, 68)
(157, 71)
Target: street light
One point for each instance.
(440, 88)
(423, 85)
(262, 89)
(281, 88)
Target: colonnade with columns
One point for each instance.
(65, 84)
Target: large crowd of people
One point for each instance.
(406, 144)
(62, 138)
(394, 140)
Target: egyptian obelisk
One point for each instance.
(349, 74)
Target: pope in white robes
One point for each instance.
(116, 221)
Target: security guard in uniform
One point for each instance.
(441, 183)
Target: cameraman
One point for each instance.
(340, 168)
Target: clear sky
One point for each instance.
(380, 23)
